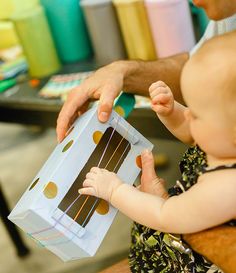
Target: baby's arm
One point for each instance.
(169, 111)
(208, 203)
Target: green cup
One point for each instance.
(68, 28)
(39, 49)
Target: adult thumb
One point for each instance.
(148, 166)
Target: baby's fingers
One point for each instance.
(87, 182)
(87, 191)
(95, 170)
(161, 109)
(162, 99)
(158, 84)
(91, 175)
(158, 91)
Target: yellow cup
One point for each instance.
(9, 8)
(135, 29)
(34, 34)
(8, 37)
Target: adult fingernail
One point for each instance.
(103, 116)
(145, 152)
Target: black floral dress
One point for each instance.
(152, 251)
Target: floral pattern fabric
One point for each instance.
(152, 251)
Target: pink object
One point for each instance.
(171, 26)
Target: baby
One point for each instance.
(208, 85)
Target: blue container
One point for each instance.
(68, 29)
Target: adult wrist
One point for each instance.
(127, 68)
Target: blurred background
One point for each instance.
(47, 47)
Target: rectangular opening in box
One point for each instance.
(109, 154)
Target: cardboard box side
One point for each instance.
(55, 160)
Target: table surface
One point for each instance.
(25, 97)
(22, 104)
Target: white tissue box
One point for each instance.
(52, 212)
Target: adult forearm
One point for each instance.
(139, 75)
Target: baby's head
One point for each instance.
(208, 85)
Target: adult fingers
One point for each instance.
(105, 104)
(68, 113)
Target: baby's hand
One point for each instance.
(162, 98)
(100, 183)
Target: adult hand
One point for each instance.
(105, 84)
